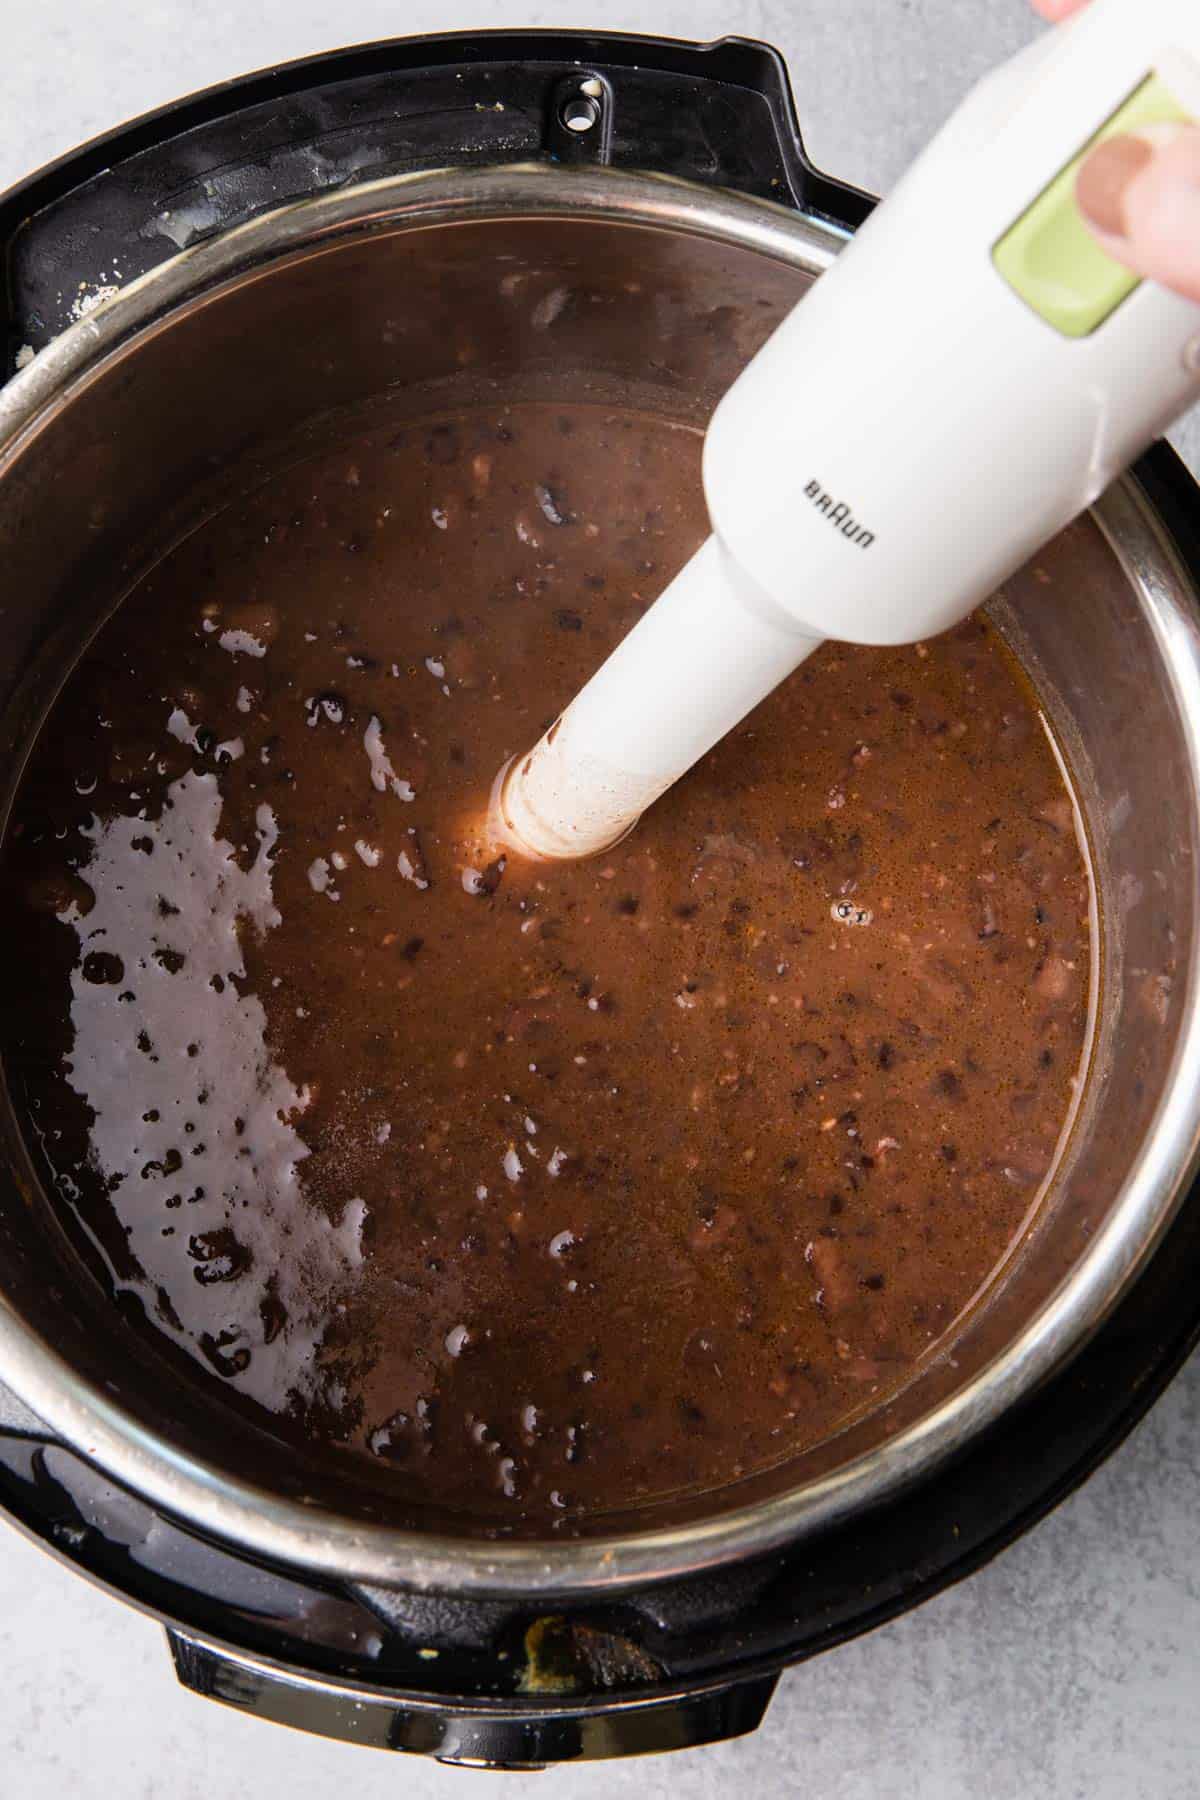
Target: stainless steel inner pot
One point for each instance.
(423, 292)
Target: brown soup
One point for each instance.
(551, 1189)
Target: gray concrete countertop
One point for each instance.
(1066, 1669)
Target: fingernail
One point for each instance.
(1103, 181)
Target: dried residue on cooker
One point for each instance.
(195, 1126)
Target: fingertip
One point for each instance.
(1140, 194)
(1105, 179)
(1162, 213)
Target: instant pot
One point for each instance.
(420, 223)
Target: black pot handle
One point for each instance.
(505, 1734)
(718, 113)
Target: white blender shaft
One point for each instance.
(965, 380)
(709, 649)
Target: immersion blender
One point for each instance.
(968, 377)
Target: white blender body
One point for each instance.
(966, 379)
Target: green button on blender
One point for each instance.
(1050, 258)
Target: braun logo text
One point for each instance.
(839, 514)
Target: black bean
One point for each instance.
(102, 968)
(443, 445)
(327, 708)
(219, 1256)
(220, 1353)
(553, 504)
(491, 876)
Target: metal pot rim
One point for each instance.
(290, 1532)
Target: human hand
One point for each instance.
(1140, 193)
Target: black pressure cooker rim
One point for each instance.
(720, 114)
